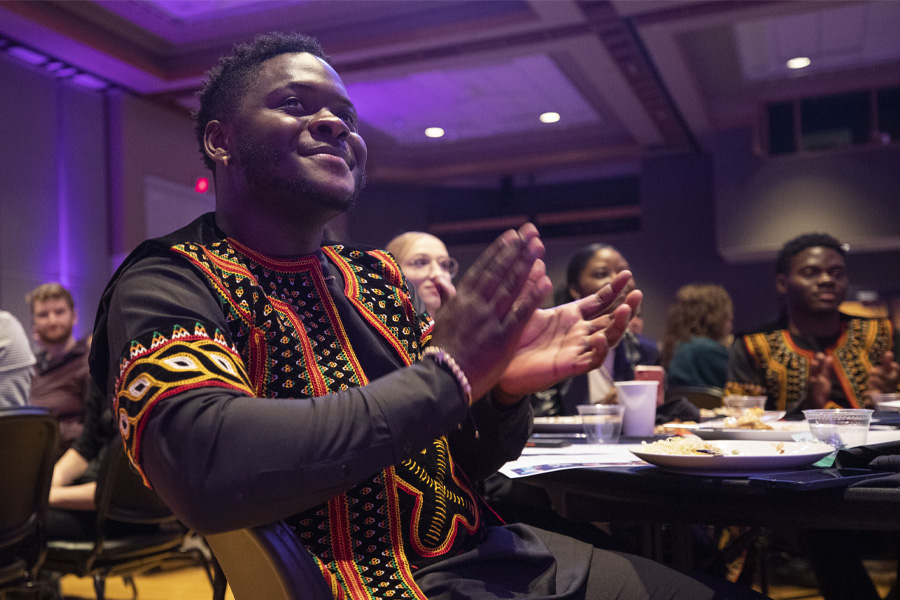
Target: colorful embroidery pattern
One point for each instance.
(786, 366)
(290, 343)
(159, 366)
(436, 516)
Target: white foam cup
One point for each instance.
(639, 400)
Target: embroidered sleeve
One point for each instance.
(161, 364)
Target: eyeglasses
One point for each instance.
(422, 262)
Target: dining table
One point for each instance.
(592, 483)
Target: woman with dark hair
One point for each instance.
(591, 268)
(698, 333)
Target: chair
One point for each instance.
(29, 437)
(700, 396)
(267, 562)
(120, 497)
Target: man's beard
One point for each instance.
(57, 339)
(259, 164)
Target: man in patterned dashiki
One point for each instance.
(260, 376)
(815, 356)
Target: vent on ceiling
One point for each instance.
(869, 117)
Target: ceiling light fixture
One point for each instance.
(800, 62)
(549, 117)
(434, 132)
(53, 66)
(27, 55)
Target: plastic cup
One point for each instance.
(639, 400)
(840, 427)
(602, 422)
(738, 405)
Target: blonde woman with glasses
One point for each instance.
(427, 266)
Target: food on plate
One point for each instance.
(683, 446)
(675, 427)
(752, 418)
(694, 446)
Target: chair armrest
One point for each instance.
(268, 561)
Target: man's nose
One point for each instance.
(327, 123)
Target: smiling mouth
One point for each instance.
(328, 153)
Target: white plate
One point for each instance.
(751, 456)
(767, 417)
(719, 423)
(889, 406)
(782, 431)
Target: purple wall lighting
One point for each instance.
(62, 190)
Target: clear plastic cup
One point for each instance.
(738, 405)
(840, 427)
(602, 422)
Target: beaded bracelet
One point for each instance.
(443, 358)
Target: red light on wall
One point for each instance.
(202, 185)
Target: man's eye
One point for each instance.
(292, 103)
(350, 120)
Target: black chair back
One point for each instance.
(29, 438)
(121, 493)
(120, 496)
(700, 396)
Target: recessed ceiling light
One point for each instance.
(27, 55)
(434, 132)
(86, 80)
(549, 117)
(800, 62)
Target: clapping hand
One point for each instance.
(568, 340)
(885, 376)
(819, 382)
(481, 325)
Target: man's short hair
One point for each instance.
(800, 243)
(49, 291)
(227, 81)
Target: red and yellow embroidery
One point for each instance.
(172, 364)
(785, 365)
(288, 341)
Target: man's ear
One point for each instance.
(781, 283)
(217, 142)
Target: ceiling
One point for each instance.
(629, 78)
